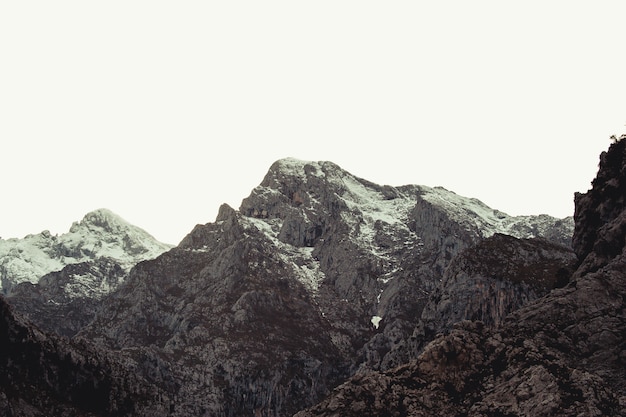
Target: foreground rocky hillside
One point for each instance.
(44, 375)
(560, 355)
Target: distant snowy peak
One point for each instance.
(101, 234)
(103, 219)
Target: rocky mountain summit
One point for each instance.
(319, 278)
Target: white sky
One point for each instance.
(163, 110)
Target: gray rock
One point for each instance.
(490, 280)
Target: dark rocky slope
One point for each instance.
(560, 355)
(44, 375)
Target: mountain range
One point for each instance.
(324, 294)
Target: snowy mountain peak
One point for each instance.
(289, 163)
(300, 169)
(101, 218)
(306, 183)
(101, 234)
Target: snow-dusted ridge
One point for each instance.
(476, 215)
(369, 205)
(100, 234)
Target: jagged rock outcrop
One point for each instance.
(561, 355)
(601, 235)
(44, 375)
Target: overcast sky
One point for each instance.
(163, 110)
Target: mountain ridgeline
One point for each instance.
(326, 294)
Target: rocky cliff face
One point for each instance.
(600, 214)
(560, 355)
(493, 278)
